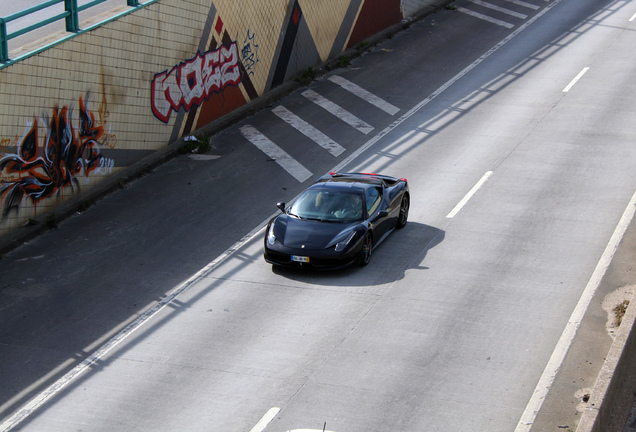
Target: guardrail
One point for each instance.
(70, 14)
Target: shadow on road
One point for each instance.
(405, 249)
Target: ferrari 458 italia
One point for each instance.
(337, 221)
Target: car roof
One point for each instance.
(353, 184)
(356, 180)
(341, 186)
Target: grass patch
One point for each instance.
(343, 61)
(198, 143)
(362, 46)
(620, 311)
(306, 76)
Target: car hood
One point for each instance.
(308, 234)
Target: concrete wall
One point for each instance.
(91, 106)
(612, 396)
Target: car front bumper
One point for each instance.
(326, 259)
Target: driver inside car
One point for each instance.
(350, 207)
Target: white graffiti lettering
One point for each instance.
(193, 81)
(105, 166)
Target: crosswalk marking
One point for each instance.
(309, 131)
(364, 95)
(485, 17)
(280, 156)
(524, 4)
(338, 111)
(499, 9)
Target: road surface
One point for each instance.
(154, 310)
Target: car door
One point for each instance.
(394, 198)
(376, 209)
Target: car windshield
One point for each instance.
(328, 206)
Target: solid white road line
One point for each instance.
(567, 337)
(364, 95)
(55, 388)
(99, 354)
(268, 417)
(485, 18)
(280, 156)
(338, 111)
(574, 81)
(633, 17)
(309, 131)
(499, 9)
(469, 195)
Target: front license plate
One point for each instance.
(297, 258)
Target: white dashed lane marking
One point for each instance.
(267, 418)
(469, 195)
(575, 80)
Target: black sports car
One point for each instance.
(337, 221)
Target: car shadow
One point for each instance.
(404, 249)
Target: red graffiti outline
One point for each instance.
(220, 66)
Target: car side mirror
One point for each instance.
(380, 215)
(281, 206)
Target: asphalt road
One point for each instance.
(517, 144)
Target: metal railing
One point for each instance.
(70, 15)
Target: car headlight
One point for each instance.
(341, 245)
(271, 238)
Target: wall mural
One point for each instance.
(192, 82)
(67, 151)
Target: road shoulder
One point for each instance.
(573, 391)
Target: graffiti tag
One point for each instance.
(249, 53)
(39, 172)
(192, 82)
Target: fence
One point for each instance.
(70, 15)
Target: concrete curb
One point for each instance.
(612, 396)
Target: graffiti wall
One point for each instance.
(45, 166)
(93, 105)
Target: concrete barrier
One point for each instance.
(612, 396)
